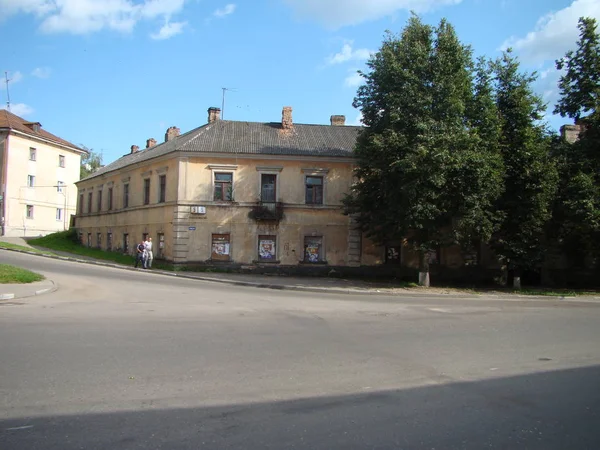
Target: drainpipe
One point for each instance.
(3, 184)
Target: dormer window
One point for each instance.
(35, 126)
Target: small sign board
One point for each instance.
(198, 209)
(192, 228)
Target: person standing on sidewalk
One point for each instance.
(140, 249)
(149, 254)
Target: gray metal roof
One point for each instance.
(250, 138)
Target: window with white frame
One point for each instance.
(30, 180)
(59, 214)
(59, 186)
(29, 212)
(61, 160)
(32, 154)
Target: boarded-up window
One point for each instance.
(313, 249)
(221, 247)
(393, 254)
(267, 250)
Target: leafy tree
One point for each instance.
(577, 210)
(530, 174)
(90, 162)
(424, 170)
(580, 85)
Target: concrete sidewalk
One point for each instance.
(307, 284)
(12, 291)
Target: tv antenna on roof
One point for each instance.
(223, 103)
(7, 92)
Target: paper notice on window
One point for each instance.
(221, 249)
(267, 249)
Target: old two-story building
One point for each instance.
(238, 193)
(230, 192)
(38, 171)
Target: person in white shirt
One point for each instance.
(149, 254)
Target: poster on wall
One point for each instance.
(221, 248)
(266, 249)
(313, 250)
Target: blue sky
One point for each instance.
(108, 74)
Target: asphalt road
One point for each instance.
(118, 359)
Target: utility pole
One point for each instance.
(7, 92)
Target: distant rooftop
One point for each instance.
(250, 138)
(11, 121)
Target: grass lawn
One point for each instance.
(67, 241)
(16, 275)
(10, 246)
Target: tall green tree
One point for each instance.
(577, 211)
(420, 173)
(530, 174)
(580, 84)
(90, 162)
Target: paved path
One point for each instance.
(307, 284)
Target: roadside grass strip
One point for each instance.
(16, 275)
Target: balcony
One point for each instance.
(267, 211)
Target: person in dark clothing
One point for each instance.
(140, 249)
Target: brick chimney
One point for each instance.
(150, 143)
(286, 118)
(214, 114)
(134, 149)
(338, 121)
(171, 133)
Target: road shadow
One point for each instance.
(548, 410)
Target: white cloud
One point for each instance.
(156, 8)
(15, 77)
(348, 54)
(354, 79)
(338, 13)
(229, 9)
(88, 16)
(20, 109)
(168, 30)
(554, 34)
(37, 7)
(358, 121)
(41, 72)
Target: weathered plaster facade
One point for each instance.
(33, 165)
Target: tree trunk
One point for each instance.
(517, 281)
(423, 269)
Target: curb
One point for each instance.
(11, 295)
(321, 290)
